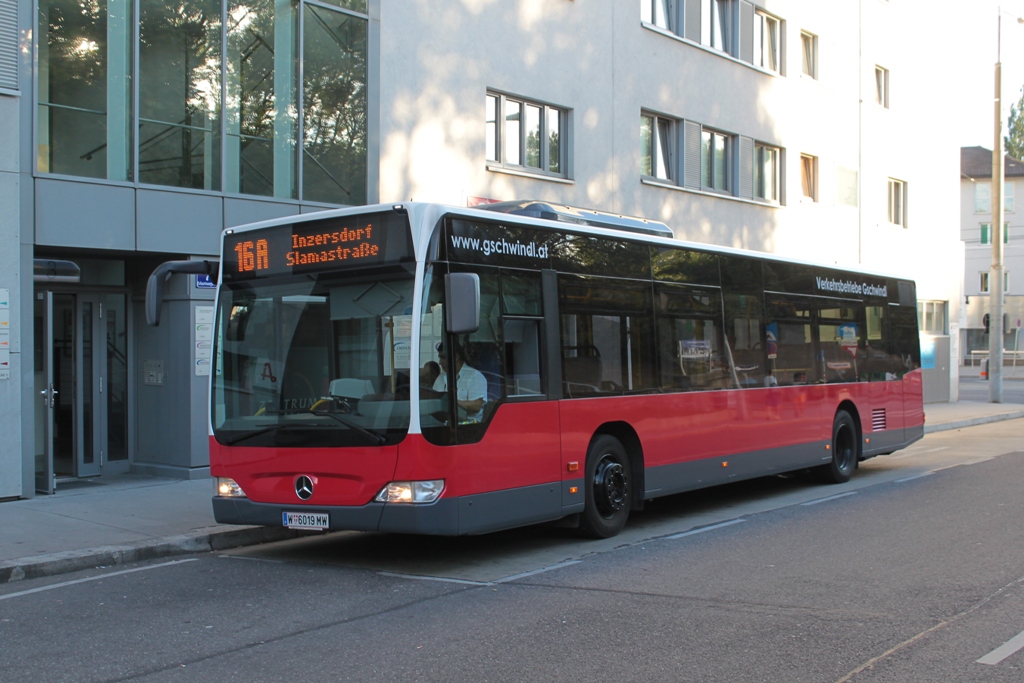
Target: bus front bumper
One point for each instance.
(439, 518)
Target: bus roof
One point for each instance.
(532, 214)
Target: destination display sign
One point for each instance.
(334, 243)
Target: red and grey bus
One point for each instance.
(609, 364)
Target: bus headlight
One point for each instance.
(411, 491)
(228, 488)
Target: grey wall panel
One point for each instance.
(179, 222)
(311, 208)
(11, 381)
(242, 211)
(90, 215)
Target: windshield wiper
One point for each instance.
(377, 437)
(249, 435)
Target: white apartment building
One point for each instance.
(138, 130)
(976, 233)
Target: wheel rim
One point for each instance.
(844, 447)
(611, 486)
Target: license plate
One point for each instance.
(306, 520)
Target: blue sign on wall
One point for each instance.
(927, 353)
(204, 282)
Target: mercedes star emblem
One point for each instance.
(304, 487)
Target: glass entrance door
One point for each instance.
(81, 384)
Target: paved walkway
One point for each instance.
(127, 518)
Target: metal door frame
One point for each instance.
(96, 384)
(45, 479)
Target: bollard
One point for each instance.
(984, 368)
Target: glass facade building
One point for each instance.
(258, 97)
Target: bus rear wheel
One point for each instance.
(608, 487)
(844, 451)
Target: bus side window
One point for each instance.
(522, 311)
(790, 341)
(522, 357)
(840, 334)
(689, 338)
(742, 290)
(607, 336)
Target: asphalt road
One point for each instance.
(913, 571)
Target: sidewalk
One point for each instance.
(128, 518)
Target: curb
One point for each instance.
(196, 542)
(972, 422)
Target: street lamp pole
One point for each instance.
(995, 278)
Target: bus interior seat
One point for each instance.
(582, 375)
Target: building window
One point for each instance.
(715, 25)
(809, 54)
(686, 154)
(882, 86)
(809, 177)
(766, 172)
(986, 233)
(655, 146)
(766, 41)
(179, 94)
(931, 317)
(219, 107)
(983, 288)
(982, 197)
(334, 163)
(714, 160)
(84, 111)
(897, 202)
(657, 13)
(525, 135)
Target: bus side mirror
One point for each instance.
(462, 296)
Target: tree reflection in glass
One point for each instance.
(179, 93)
(261, 109)
(334, 107)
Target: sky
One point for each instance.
(974, 56)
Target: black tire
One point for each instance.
(609, 488)
(845, 451)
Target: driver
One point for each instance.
(470, 383)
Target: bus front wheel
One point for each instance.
(844, 451)
(608, 487)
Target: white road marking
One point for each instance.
(467, 582)
(1003, 651)
(910, 452)
(706, 528)
(251, 559)
(825, 500)
(538, 571)
(95, 578)
(916, 476)
(436, 578)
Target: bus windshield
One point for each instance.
(319, 360)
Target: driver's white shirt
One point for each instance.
(471, 385)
